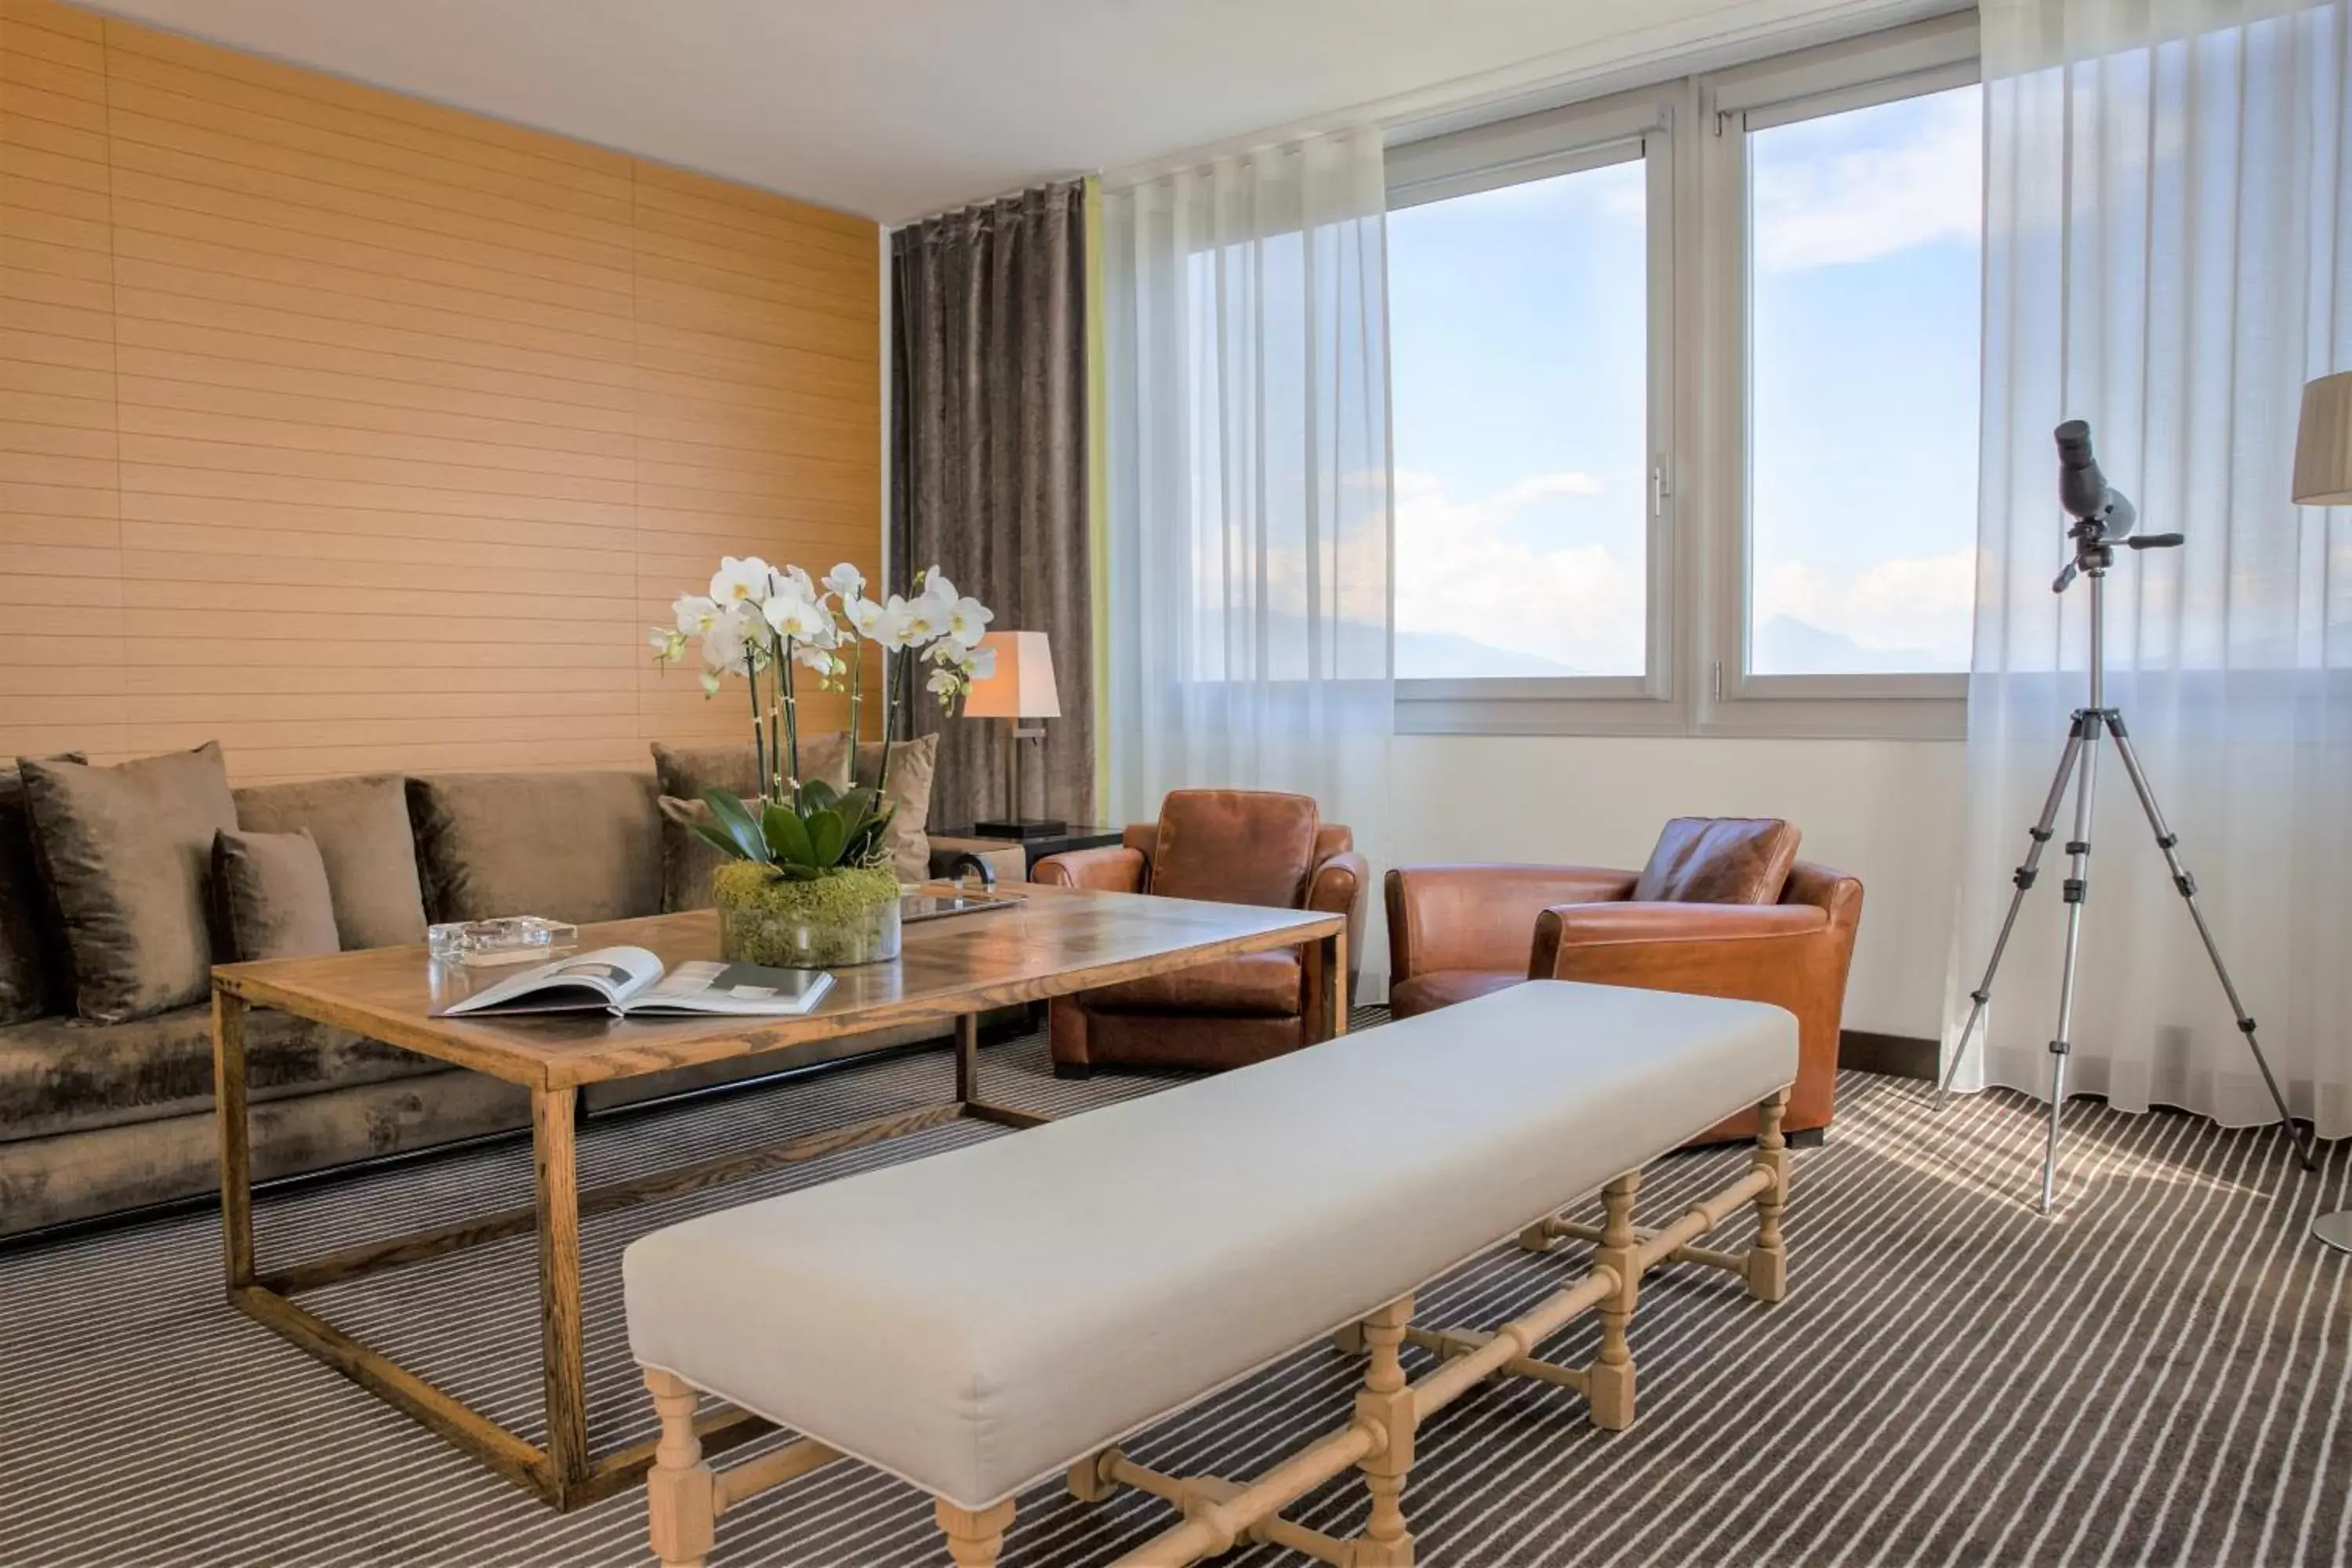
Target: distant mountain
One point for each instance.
(1785, 644)
(1443, 656)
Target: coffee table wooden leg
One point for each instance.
(235, 1138)
(967, 1047)
(564, 1384)
(1331, 953)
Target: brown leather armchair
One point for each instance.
(1232, 847)
(1459, 932)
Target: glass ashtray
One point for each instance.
(515, 939)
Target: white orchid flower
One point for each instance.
(793, 615)
(922, 619)
(694, 613)
(810, 655)
(945, 683)
(890, 627)
(796, 580)
(981, 664)
(967, 621)
(846, 581)
(741, 582)
(668, 645)
(931, 585)
(865, 616)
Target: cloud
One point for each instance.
(1460, 570)
(1868, 202)
(1927, 603)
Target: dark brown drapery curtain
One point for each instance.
(989, 395)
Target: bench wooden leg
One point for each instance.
(1386, 1542)
(1768, 1259)
(1609, 1382)
(975, 1539)
(681, 1508)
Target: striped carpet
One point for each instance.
(2158, 1376)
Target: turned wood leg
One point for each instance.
(1609, 1382)
(1767, 1257)
(967, 1057)
(235, 1138)
(1386, 1542)
(975, 1539)
(681, 1506)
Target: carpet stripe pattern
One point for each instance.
(2158, 1376)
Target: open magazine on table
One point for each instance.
(629, 982)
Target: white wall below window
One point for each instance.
(1887, 810)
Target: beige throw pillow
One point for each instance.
(912, 764)
(36, 975)
(360, 826)
(688, 858)
(128, 851)
(273, 894)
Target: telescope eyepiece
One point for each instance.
(2081, 489)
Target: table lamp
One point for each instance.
(1021, 687)
(2323, 476)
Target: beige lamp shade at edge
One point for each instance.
(1022, 686)
(2323, 447)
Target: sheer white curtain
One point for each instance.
(2169, 255)
(1248, 549)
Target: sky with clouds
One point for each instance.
(1518, 344)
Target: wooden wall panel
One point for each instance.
(355, 432)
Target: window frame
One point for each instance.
(1858, 73)
(1692, 129)
(1601, 133)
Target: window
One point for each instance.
(1864, 231)
(1685, 389)
(1519, 356)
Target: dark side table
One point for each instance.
(1074, 838)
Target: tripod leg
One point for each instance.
(2170, 842)
(2078, 889)
(2024, 877)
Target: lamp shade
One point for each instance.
(1022, 686)
(2323, 446)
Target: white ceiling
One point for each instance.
(896, 108)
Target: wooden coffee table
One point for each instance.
(1058, 941)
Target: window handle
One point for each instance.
(1657, 490)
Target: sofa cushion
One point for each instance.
(127, 850)
(36, 975)
(1719, 860)
(688, 858)
(1443, 987)
(272, 893)
(1235, 847)
(685, 772)
(361, 826)
(60, 1076)
(1251, 985)
(572, 846)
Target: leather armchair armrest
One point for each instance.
(1751, 952)
(1480, 916)
(1338, 888)
(1117, 869)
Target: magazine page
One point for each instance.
(601, 979)
(745, 990)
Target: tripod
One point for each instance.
(2079, 765)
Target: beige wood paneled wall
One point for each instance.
(360, 433)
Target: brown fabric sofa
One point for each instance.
(1780, 930)
(99, 1119)
(1238, 847)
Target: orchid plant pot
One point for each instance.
(848, 916)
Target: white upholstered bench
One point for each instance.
(974, 1321)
